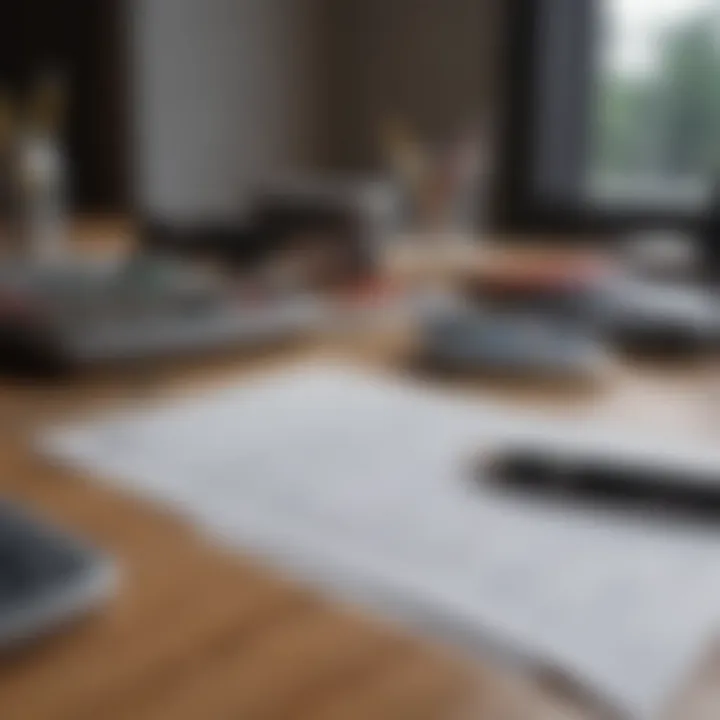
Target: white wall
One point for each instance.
(224, 95)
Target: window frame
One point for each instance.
(520, 206)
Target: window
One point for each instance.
(614, 112)
(656, 115)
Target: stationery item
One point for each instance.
(668, 255)
(629, 480)
(43, 172)
(521, 343)
(81, 312)
(364, 485)
(443, 184)
(659, 317)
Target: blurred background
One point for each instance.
(182, 107)
(513, 200)
(601, 111)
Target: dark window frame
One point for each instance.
(520, 206)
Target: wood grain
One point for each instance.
(198, 633)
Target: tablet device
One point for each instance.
(47, 577)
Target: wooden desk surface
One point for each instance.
(197, 633)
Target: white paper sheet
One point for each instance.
(364, 485)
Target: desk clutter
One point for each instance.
(661, 319)
(564, 324)
(541, 318)
(524, 318)
(87, 312)
(510, 343)
(285, 267)
(548, 315)
(286, 270)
